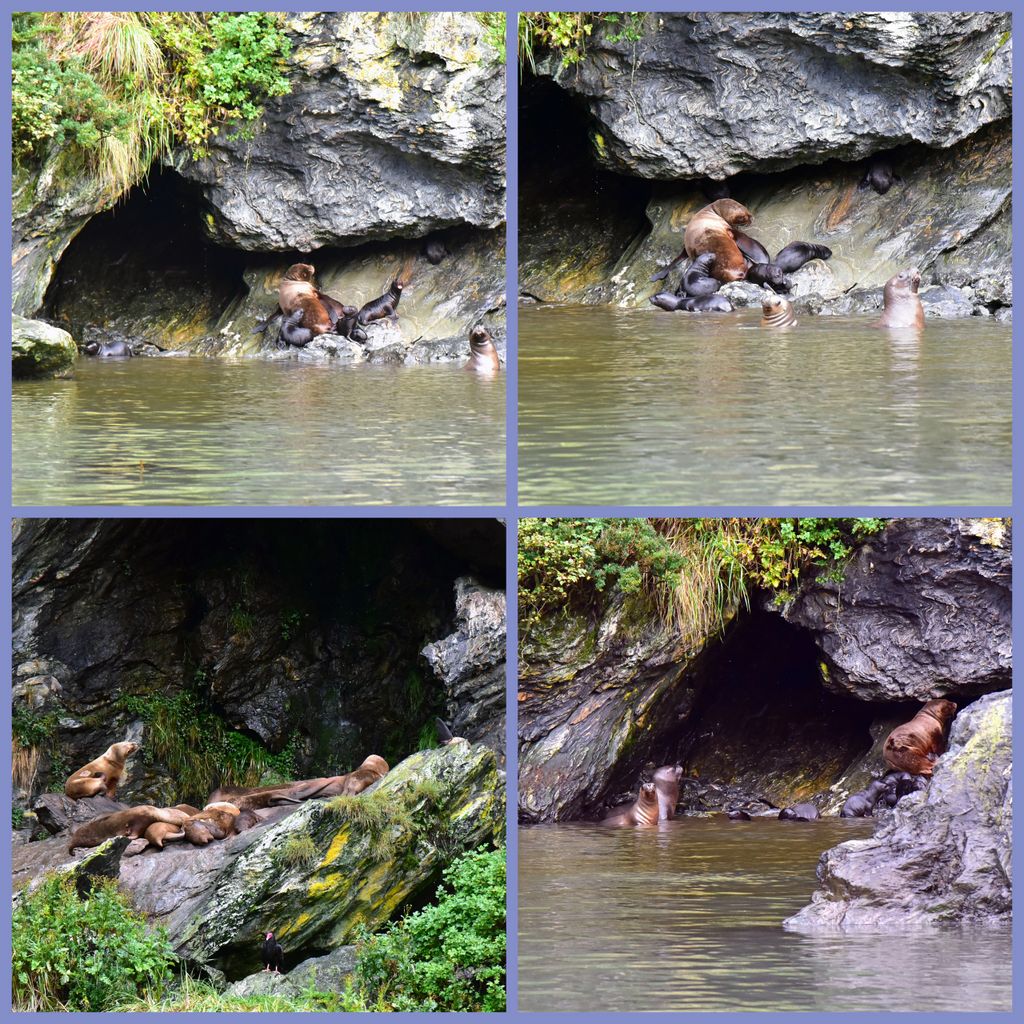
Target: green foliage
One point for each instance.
(191, 996)
(297, 850)
(567, 32)
(290, 624)
(33, 728)
(494, 30)
(85, 954)
(241, 622)
(17, 817)
(450, 956)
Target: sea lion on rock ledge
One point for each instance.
(101, 775)
(916, 745)
(711, 230)
(132, 823)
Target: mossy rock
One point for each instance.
(39, 350)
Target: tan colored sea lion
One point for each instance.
(666, 783)
(483, 356)
(296, 291)
(711, 230)
(214, 821)
(370, 771)
(161, 832)
(101, 775)
(132, 823)
(914, 746)
(643, 812)
(776, 311)
(903, 309)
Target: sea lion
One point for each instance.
(776, 311)
(214, 821)
(187, 808)
(101, 775)
(370, 771)
(297, 292)
(668, 302)
(444, 734)
(796, 254)
(770, 274)
(914, 746)
(711, 230)
(666, 783)
(385, 305)
(255, 798)
(246, 819)
(435, 250)
(800, 812)
(861, 805)
(347, 327)
(751, 247)
(132, 822)
(697, 280)
(737, 816)
(707, 304)
(109, 349)
(483, 356)
(161, 832)
(903, 309)
(880, 176)
(644, 812)
(292, 331)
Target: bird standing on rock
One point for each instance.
(273, 954)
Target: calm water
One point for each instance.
(688, 917)
(210, 431)
(647, 407)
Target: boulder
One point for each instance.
(58, 813)
(323, 973)
(39, 350)
(945, 856)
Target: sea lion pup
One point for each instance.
(347, 327)
(214, 821)
(880, 176)
(101, 775)
(711, 230)
(915, 746)
(796, 254)
(697, 281)
(776, 311)
(690, 304)
(903, 309)
(668, 302)
(737, 815)
(751, 247)
(292, 331)
(109, 349)
(132, 823)
(768, 274)
(483, 356)
(862, 804)
(160, 832)
(644, 812)
(666, 783)
(435, 250)
(799, 812)
(385, 305)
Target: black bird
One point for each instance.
(273, 954)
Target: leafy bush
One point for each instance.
(85, 954)
(449, 956)
(567, 32)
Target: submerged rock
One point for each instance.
(39, 350)
(945, 857)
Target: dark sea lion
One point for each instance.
(903, 309)
(292, 331)
(101, 775)
(385, 305)
(751, 247)
(770, 274)
(737, 816)
(880, 176)
(697, 280)
(347, 327)
(668, 302)
(483, 356)
(132, 822)
(862, 804)
(644, 812)
(707, 304)
(776, 311)
(796, 254)
(435, 250)
(800, 812)
(914, 746)
(109, 349)
(666, 783)
(711, 230)
(246, 819)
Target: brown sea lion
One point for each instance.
(214, 821)
(101, 775)
(161, 832)
(372, 769)
(132, 822)
(483, 356)
(187, 808)
(644, 812)
(246, 819)
(711, 230)
(776, 311)
(903, 309)
(666, 782)
(914, 746)
(255, 798)
(296, 291)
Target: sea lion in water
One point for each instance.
(903, 309)
(385, 305)
(109, 349)
(914, 746)
(668, 302)
(737, 816)
(644, 812)
(483, 356)
(697, 281)
(101, 775)
(666, 783)
(688, 304)
(796, 254)
(861, 805)
(776, 311)
(132, 822)
(711, 230)
(880, 176)
(800, 812)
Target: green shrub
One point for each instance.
(566, 33)
(450, 956)
(85, 954)
(297, 851)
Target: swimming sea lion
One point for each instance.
(644, 812)
(483, 356)
(101, 775)
(385, 305)
(109, 349)
(915, 746)
(697, 280)
(796, 254)
(666, 783)
(737, 816)
(860, 805)
(799, 812)
(132, 822)
(880, 176)
(903, 309)
(711, 230)
(776, 311)
(707, 304)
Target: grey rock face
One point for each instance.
(390, 129)
(717, 93)
(923, 611)
(945, 856)
(40, 350)
(325, 974)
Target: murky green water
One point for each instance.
(647, 407)
(172, 431)
(688, 917)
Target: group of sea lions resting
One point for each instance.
(719, 252)
(229, 809)
(910, 751)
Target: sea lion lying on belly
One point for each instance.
(132, 823)
(916, 745)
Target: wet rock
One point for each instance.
(331, 348)
(39, 350)
(471, 664)
(923, 611)
(946, 302)
(33, 860)
(742, 293)
(944, 858)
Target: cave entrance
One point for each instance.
(146, 267)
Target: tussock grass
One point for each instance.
(297, 851)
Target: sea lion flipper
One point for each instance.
(661, 274)
(444, 734)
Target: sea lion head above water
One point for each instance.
(483, 356)
(666, 783)
(643, 812)
(902, 303)
(776, 311)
